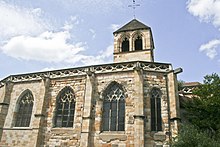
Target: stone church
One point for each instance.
(132, 102)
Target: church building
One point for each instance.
(132, 102)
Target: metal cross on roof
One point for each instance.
(134, 5)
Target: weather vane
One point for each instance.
(134, 5)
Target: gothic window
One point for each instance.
(65, 107)
(125, 45)
(113, 118)
(156, 120)
(138, 43)
(25, 106)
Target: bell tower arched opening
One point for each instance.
(125, 45)
(138, 44)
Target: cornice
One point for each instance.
(96, 69)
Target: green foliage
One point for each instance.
(190, 136)
(203, 114)
(204, 109)
(180, 85)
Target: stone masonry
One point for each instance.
(137, 78)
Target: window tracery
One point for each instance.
(114, 108)
(25, 107)
(65, 107)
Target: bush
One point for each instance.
(190, 136)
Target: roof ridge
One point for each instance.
(134, 24)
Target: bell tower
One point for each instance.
(133, 42)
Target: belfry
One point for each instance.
(133, 42)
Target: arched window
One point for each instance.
(25, 106)
(156, 120)
(65, 107)
(138, 43)
(113, 118)
(125, 45)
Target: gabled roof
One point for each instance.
(132, 25)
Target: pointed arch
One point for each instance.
(24, 109)
(156, 119)
(65, 108)
(125, 45)
(113, 117)
(138, 43)
(137, 38)
(124, 42)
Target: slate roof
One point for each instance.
(132, 25)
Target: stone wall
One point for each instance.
(19, 137)
(116, 138)
(133, 56)
(87, 127)
(65, 136)
(3, 109)
(16, 136)
(155, 80)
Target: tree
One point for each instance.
(180, 85)
(203, 114)
(204, 108)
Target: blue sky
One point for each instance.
(55, 34)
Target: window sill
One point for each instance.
(133, 51)
(159, 136)
(63, 130)
(19, 128)
(108, 136)
(66, 132)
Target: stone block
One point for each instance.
(159, 136)
(106, 137)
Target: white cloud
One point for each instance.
(115, 27)
(67, 26)
(104, 56)
(73, 21)
(48, 69)
(206, 10)
(16, 21)
(48, 47)
(108, 52)
(93, 33)
(53, 47)
(37, 11)
(210, 48)
(26, 35)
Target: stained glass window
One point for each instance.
(65, 107)
(25, 106)
(114, 108)
(156, 120)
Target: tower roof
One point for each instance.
(132, 25)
